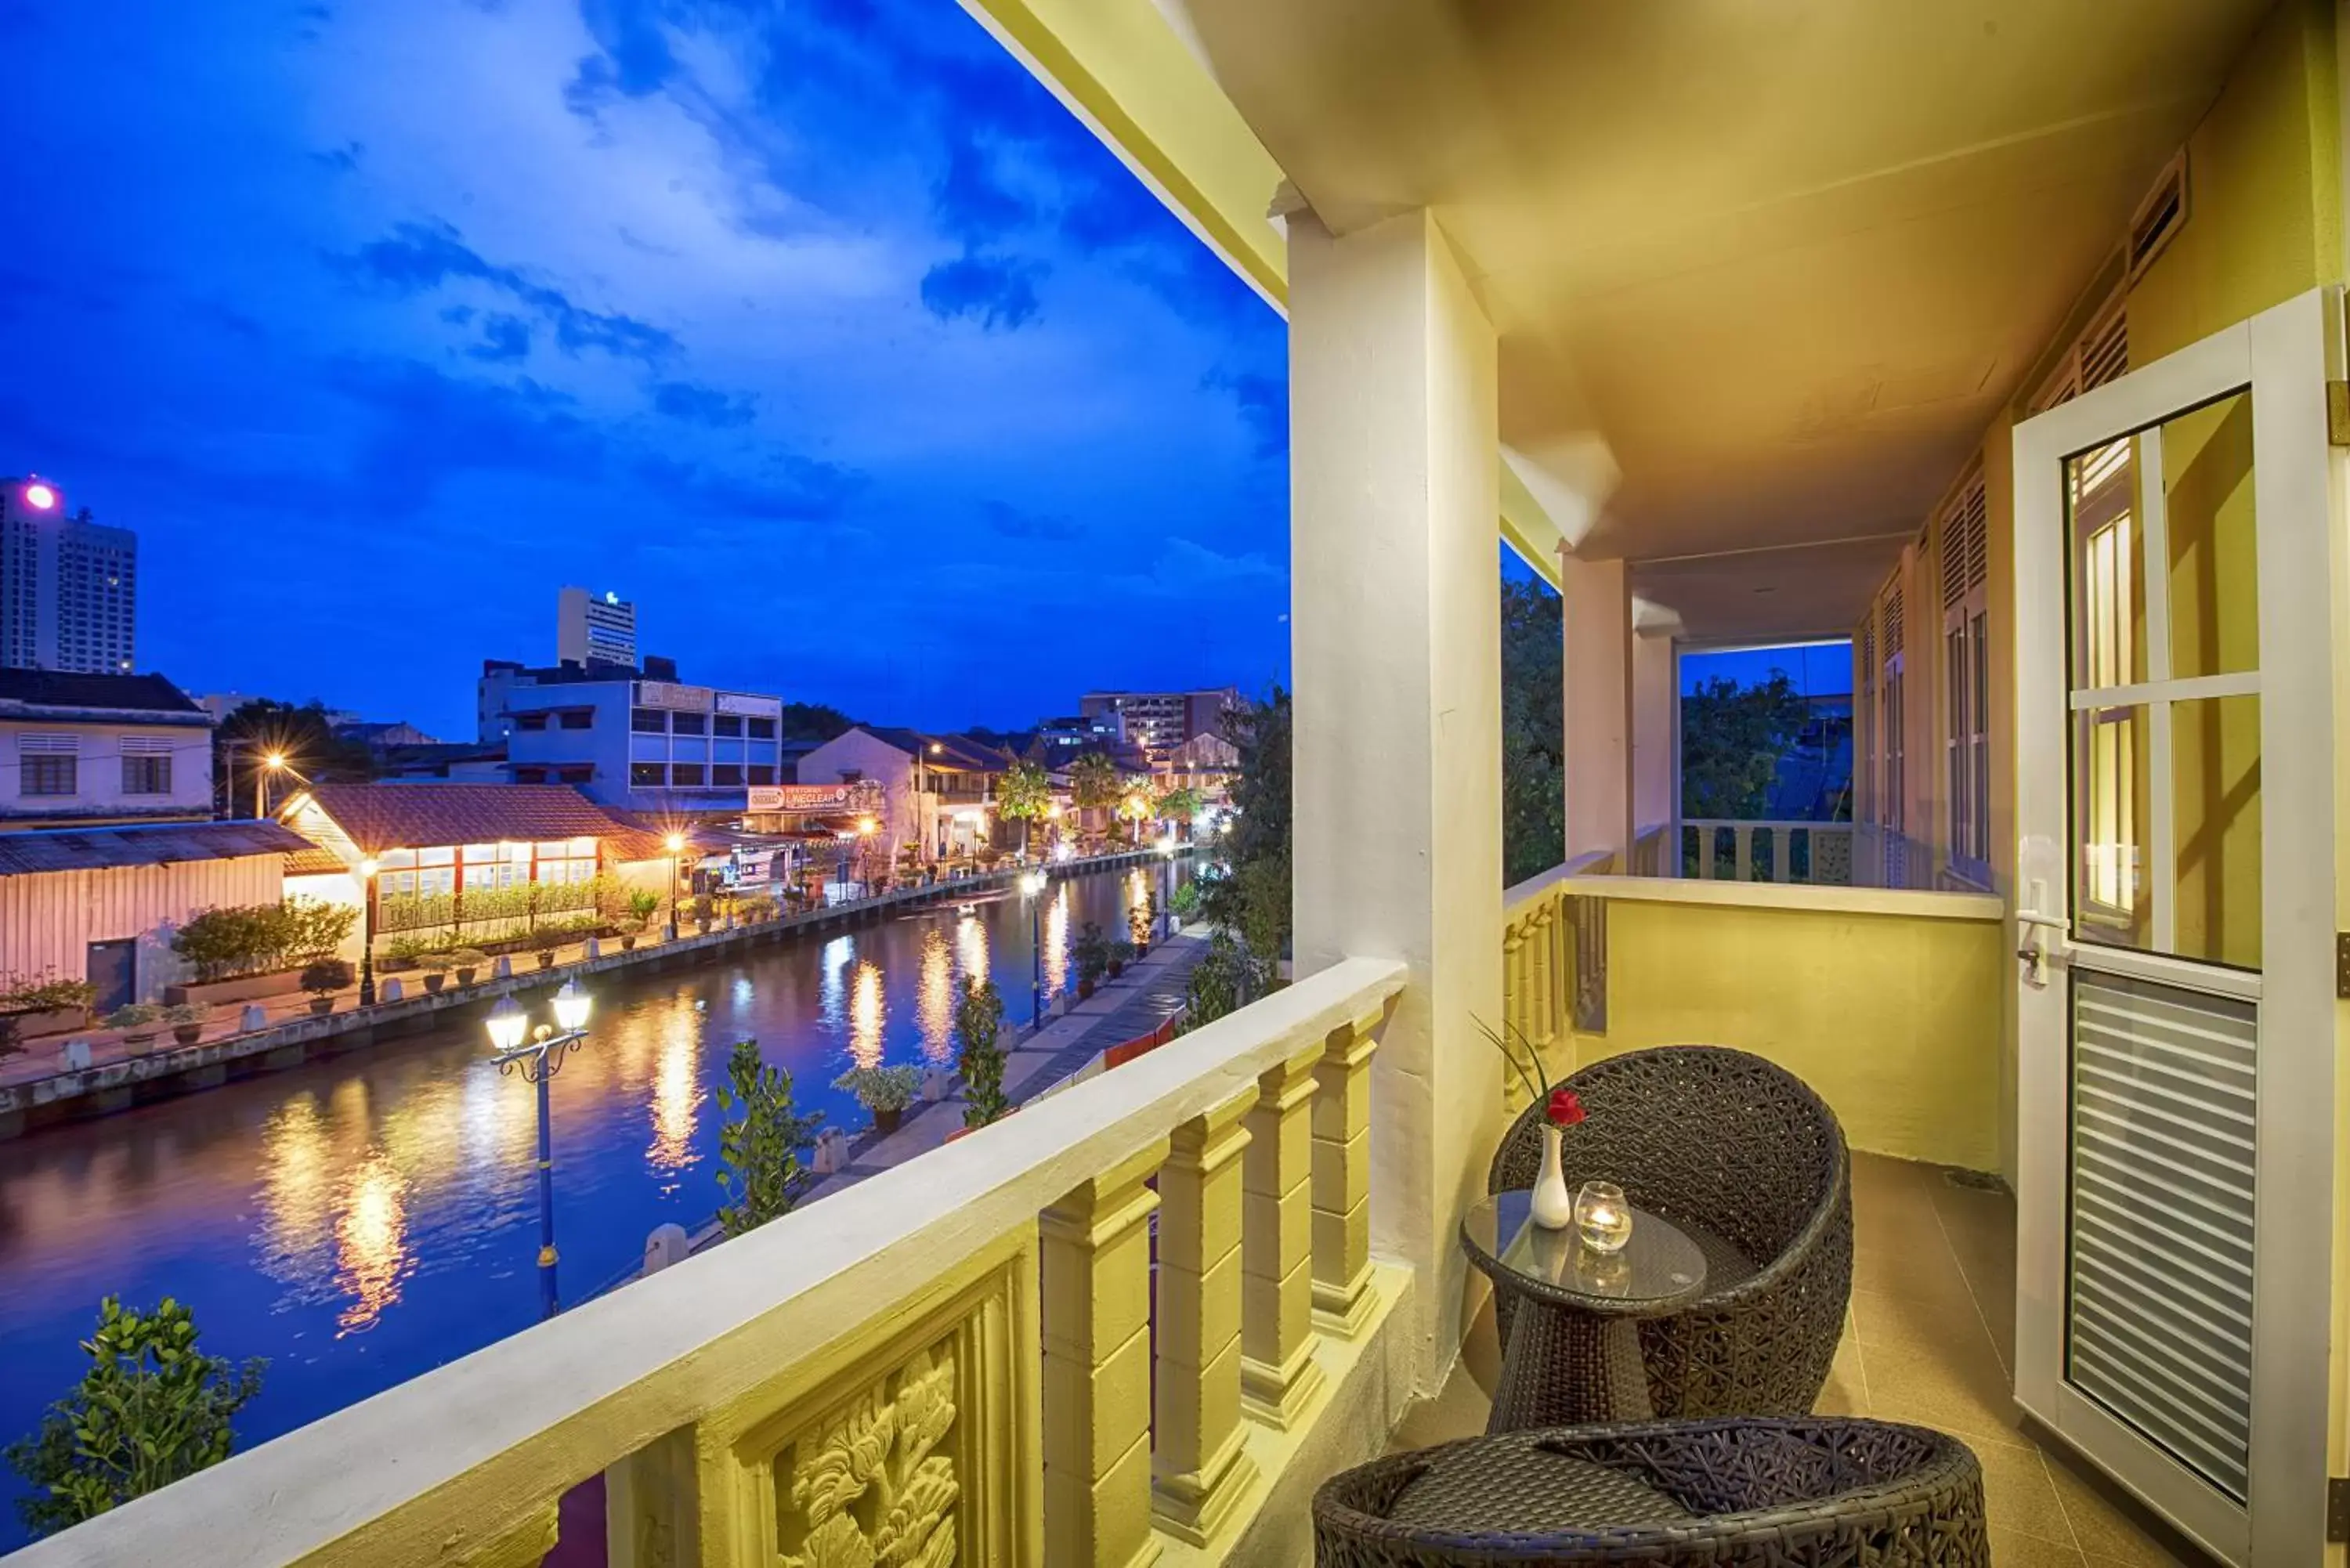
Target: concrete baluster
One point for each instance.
(1278, 1372)
(1097, 1335)
(1341, 1123)
(1199, 1469)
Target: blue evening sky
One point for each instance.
(815, 327)
(1818, 668)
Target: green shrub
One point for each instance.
(180, 1014)
(979, 1020)
(759, 1155)
(46, 993)
(151, 1410)
(1091, 950)
(880, 1088)
(133, 1015)
(324, 977)
(234, 940)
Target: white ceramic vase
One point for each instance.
(1553, 1205)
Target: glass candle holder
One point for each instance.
(1602, 1218)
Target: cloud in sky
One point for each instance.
(819, 330)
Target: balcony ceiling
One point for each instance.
(1763, 273)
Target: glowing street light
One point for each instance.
(539, 1058)
(272, 762)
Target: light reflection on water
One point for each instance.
(364, 1218)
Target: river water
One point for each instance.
(359, 1220)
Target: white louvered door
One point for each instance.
(2175, 534)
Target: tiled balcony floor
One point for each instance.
(1932, 1339)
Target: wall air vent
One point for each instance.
(2159, 216)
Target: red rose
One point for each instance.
(1565, 1109)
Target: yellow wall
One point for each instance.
(1894, 1020)
(2263, 191)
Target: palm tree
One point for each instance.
(1094, 781)
(1179, 805)
(1137, 804)
(1023, 795)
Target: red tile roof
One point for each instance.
(380, 816)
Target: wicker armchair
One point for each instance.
(1747, 1160)
(1661, 1494)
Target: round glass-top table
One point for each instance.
(1571, 1352)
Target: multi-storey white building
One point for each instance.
(658, 745)
(69, 586)
(594, 629)
(77, 748)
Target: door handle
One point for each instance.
(2043, 939)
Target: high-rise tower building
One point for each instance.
(69, 586)
(594, 629)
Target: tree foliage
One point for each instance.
(255, 939)
(978, 1022)
(759, 1150)
(811, 722)
(1023, 794)
(304, 735)
(1252, 900)
(150, 1410)
(1733, 737)
(1179, 805)
(1533, 743)
(1094, 781)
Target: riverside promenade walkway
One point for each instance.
(1149, 992)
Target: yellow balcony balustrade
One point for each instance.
(951, 1362)
(1886, 1001)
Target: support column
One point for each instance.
(1656, 715)
(1595, 611)
(1096, 1334)
(1396, 648)
(1199, 1468)
(1278, 1372)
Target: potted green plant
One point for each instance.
(322, 977)
(642, 907)
(187, 1020)
(886, 1092)
(436, 971)
(467, 962)
(1121, 953)
(137, 1022)
(547, 956)
(1092, 953)
(701, 913)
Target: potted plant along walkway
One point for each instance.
(322, 977)
(883, 1092)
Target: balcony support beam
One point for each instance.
(1395, 638)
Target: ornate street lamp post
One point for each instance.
(538, 1059)
(367, 870)
(1033, 884)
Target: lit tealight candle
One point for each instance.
(1602, 1218)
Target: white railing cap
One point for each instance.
(622, 1370)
